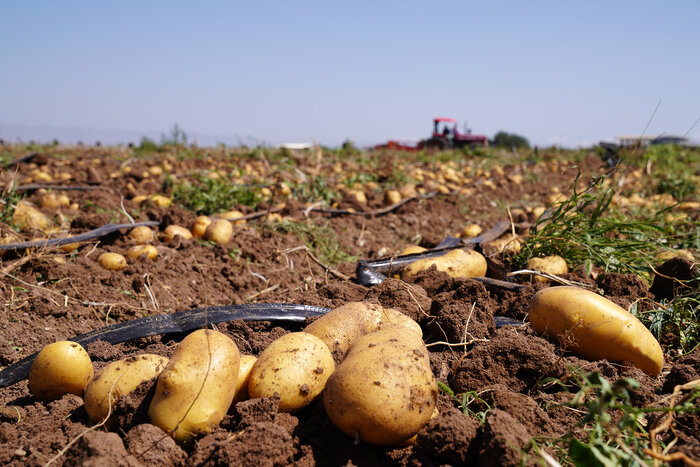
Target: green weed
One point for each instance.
(463, 401)
(8, 203)
(314, 190)
(321, 240)
(209, 196)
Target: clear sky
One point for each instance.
(556, 72)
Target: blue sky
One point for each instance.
(569, 73)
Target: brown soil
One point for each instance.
(51, 295)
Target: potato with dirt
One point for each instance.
(593, 327)
(196, 388)
(456, 263)
(384, 390)
(341, 326)
(61, 368)
(296, 366)
(119, 379)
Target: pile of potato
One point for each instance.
(381, 392)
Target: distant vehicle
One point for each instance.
(446, 135)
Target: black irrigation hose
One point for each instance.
(376, 271)
(91, 235)
(180, 321)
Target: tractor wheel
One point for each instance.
(436, 144)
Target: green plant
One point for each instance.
(315, 189)
(612, 432)
(208, 196)
(503, 139)
(463, 401)
(321, 240)
(583, 229)
(8, 203)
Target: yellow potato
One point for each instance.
(50, 201)
(219, 231)
(142, 252)
(112, 261)
(195, 389)
(456, 263)
(593, 327)
(61, 368)
(471, 230)
(296, 366)
(247, 362)
(411, 249)
(119, 379)
(160, 200)
(553, 264)
(392, 197)
(29, 218)
(228, 215)
(141, 234)
(176, 230)
(384, 390)
(341, 326)
(507, 244)
(200, 226)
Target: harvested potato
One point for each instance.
(247, 362)
(172, 231)
(142, 252)
(341, 326)
(593, 327)
(229, 215)
(160, 200)
(50, 201)
(456, 263)
(112, 261)
(119, 379)
(61, 368)
(507, 244)
(471, 231)
(296, 366)
(219, 231)
(200, 226)
(412, 249)
(141, 234)
(195, 390)
(392, 197)
(553, 264)
(29, 218)
(384, 390)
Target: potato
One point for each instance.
(456, 263)
(50, 201)
(195, 390)
(341, 326)
(553, 264)
(200, 226)
(593, 327)
(384, 390)
(142, 252)
(141, 234)
(29, 218)
(296, 366)
(507, 244)
(160, 200)
(112, 261)
(392, 197)
(119, 379)
(471, 231)
(61, 368)
(247, 362)
(228, 215)
(412, 249)
(172, 231)
(219, 231)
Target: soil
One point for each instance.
(51, 295)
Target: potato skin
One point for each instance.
(553, 264)
(593, 327)
(412, 249)
(247, 362)
(384, 390)
(112, 261)
(188, 402)
(341, 326)
(120, 378)
(61, 368)
(219, 231)
(296, 366)
(456, 263)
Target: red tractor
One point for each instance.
(446, 134)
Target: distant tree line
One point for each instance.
(507, 140)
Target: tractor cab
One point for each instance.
(444, 127)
